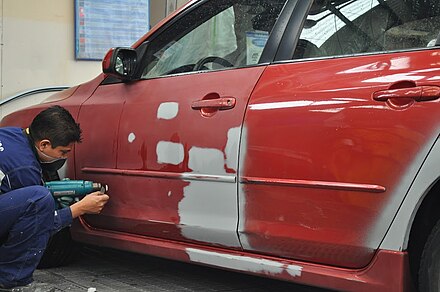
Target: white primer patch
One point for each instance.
(131, 137)
(169, 152)
(168, 110)
(242, 263)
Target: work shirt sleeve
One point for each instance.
(21, 177)
(63, 218)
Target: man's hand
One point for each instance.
(90, 204)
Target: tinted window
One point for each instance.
(216, 35)
(346, 27)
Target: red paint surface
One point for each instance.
(328, 142)
(387, 272)
(150, 205)
(318, 121)
(323, 132)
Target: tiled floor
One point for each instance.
(108, 270)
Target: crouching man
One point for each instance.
(27, 209)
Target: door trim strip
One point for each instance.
(330, 185)
(161, 174)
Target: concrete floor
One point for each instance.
(100, 269)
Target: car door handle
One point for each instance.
(419, 93)
(223, 103)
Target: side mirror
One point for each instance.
(120, 63)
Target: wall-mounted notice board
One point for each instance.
(103, 24)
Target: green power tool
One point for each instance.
(67, 191)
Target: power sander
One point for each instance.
(67, 191)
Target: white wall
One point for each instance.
(38, 46)
(38, 50)
(161, 8)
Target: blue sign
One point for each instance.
(103, 24)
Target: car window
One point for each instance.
(341, 27)
(216, 35)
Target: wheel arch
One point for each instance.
(426, 216)
(418, 213)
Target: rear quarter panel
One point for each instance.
(324, 167)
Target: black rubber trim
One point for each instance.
(293, 30)
(271, 48)
(437, 43)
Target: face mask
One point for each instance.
(52, 163)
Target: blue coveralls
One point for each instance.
(27, 210)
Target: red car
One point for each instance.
(293, 139)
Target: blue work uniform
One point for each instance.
(27, 210)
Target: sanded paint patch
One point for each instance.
(208, 210)
(293, 270)
(168, 110)
(231, 150)
(242, 194)
(131, 137)
(242, 263)
(245, 242)
(169, 152)
(206, 160)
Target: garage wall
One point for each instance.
(161, 8)
(37, 46)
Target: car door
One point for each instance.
(335, 136)
(179, 126)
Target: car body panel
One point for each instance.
(71, 98)
(324, 137)
(387, 272)
(312, 171)
(170, 156)
(397, 237)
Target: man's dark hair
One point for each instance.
(57, 125)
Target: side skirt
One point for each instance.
(388, 271)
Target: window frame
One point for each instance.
(267, 56)
(290, 40)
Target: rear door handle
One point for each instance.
(419, 93)
(223, 103)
